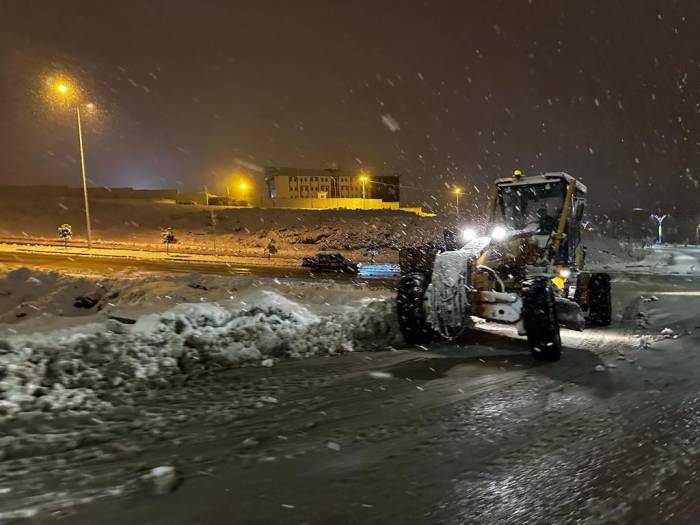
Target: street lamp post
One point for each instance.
(64, 90)
(364, 179)
(457, 192)
(244, 188)
(82, 168)
(659, 219)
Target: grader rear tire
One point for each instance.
(599, 300)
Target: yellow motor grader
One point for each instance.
(525, 267)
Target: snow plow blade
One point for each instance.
(569, 314)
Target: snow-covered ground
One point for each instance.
(659, 260)
(237, 231)
(114, 365)
(604, 253)
(120, 225)
(74, 343)
(136, 254)
(70, 343)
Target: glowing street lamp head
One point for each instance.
(63, 89)
(457, 191)
(364, 178)
(243, 186)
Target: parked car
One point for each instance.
(329, 262)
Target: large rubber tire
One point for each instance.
(410, 303)
(599, 301)
(540, 319)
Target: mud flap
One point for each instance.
(569, 314)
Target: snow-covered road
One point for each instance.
(684, 260)
(466, 432)
(661, 260)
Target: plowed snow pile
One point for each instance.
(93, 367)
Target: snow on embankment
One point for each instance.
(238, 230)
(74, 370)
(602, 252)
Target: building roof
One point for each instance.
(303, 172)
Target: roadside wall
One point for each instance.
(311, 204)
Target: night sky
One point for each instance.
(440, 92)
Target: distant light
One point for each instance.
(364, 178)
(468, 234)
(90, 105)
(564, 273)
(457, 191)
(244, 186)
(517, 173)
(499, 233)
(62, 88)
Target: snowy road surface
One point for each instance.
(467, 432)
(178, 264)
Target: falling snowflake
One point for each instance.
(391, 123)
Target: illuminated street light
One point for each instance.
(364, 179)
(244, 186)
(457, 192)
(659, 219)
(64, 91)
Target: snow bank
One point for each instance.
(74, 370)
(603, 251)
(25, 293)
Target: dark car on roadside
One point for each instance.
(329, 262)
